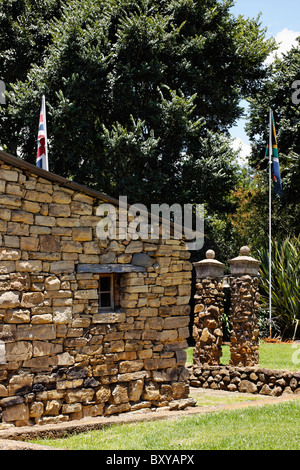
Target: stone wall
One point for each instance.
(245, 379)
(60, 357)
(244, 336)
(207, 330)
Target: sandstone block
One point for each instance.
(114, 409)
(91, 248)
(86, 294)
(52, 283)
(59, 210)
(62, 315)
(49, 244)
(119, 394)
(9, 299)
(62, 267)
(7, 267)
(36, 410)
(124, 258)
(130, 366)
(32, 299)
(30, 206)
(22, 217)
(103, 394)
(36, 332)
(81, 208)
(65, 359)
(52, 408)
(18, 351)
(9, 254)
(3, 391)
(176, 322)
(71, 247)
(16, 413)
(17, 229)
(29, 243)
(10, 200)
(45, 220)
(82, 234)
(135, 390)
(108, 258)
(80, 396)
(44, 348)
(245, 386)
(38, 196)
(60, 197)
(135, 246)
(151, 392)
(17, 316)
(29, 266)
(20, 382)
(9, 175)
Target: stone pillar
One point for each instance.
(207, 329)
(244, 341)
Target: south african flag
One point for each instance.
(275, 169)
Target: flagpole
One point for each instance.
(45, 126)
(270, 221)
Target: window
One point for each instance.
(108, 292)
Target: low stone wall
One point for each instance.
(245, 379)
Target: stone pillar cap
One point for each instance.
(209, 267)
(244, 264)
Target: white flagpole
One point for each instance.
(270, 223)
(45, 127)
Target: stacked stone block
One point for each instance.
(60, 358)
(254, 380)
(244, 284)
(209, 307)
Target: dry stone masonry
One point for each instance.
(244, 338)
(209, 307)
(63, 354)
(243, 373)
(254, 380)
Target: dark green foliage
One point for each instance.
(138, 93)
(277, 93)
(285, 282)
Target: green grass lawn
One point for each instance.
(271, 356)
(270, 427)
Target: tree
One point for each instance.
(139, 95)
(285, 282)
(277, 93)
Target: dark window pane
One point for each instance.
(105, 300)
(104, 284)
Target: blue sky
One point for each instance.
(282, 20)
(276, 15)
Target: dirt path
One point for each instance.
(14, 438)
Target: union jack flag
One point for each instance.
(42, 153)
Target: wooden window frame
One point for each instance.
(111, 291)
(114, 293)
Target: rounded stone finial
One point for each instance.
(244, 264)
(245, 251)
(210, 254)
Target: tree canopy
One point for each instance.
(276, 93)
(139, 94)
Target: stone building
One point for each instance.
(88, 326)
